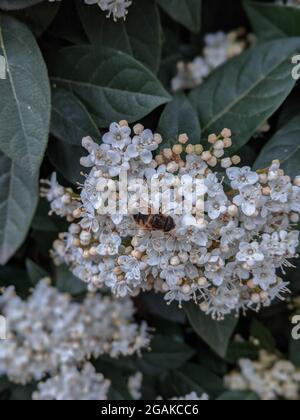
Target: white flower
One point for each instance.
(109, 244)
(216, 206)
(250, 253)
(117, 8)
(264, 276)
(241, 177)
(74, 385)
(118, 136)
(248, 199)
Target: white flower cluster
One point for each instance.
(292, 3)
(270, 377)
(49, 331)
(192, 397)
(225, 260)
(71, 384)
(218, 48)
(115, 8)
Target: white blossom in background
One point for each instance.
(231, 259)
(115, 8)
(218, 48)
(292, 3)
(192, 397)
(270, 377)
(72, 384)
(134, 384)
(49, 330)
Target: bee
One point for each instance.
(155, 222)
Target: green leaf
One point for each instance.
(12, 276)
(294, 352)
(35, 272)
(25, 97)
(263, 335)
(17, 4)
(285, 146)
(272, 21)
(166, 353)
(139, 35)
(215, 333)
(18, 201)
(157, 306)
(67, 282)
(186, 12)
(39, 16)
(179, 117)
(192, 377)
(241, 350)
(70, 120)
(66, 159)
(112, 85)
(246, 91)
(238, 396)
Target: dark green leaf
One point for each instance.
(35, 272)
(157, 306)
(17, 4)
(112, 85)
(263, 335)
(272, 21)
(139, 35)
(215, 333)
(12, 276)
(66, 282)
(166, 353)
(295, 352)
(179, 117)
(246, 91)
(285, 146)
(186, 12)
(70, 120)
(241, 350)
(25, 97)
(18, 201)
(38, 17)
(238, 396)
(65, 158)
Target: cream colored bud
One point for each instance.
(158, 138)
(297, 181)
(165, 287)
(255, 298)
(226, 163)
(177, 149)
(236, 160)
(190, 149)
(93, 251)
(86, 254)
(172, 167)
(76, 242)
(183, 138)
(198, 149)
(168, 154)
(233, 210)
(218, 153)
(186, 289)
(251, 284)
(219, 145)
(175, 261)
(138, 129)
(123, 123)
(266, 191)
(264, 296)
(202, 281)
(206, 156)
(212, 138)
(226, 133)
(263, 178)
(212, 161)
(77, 213)
(159, 159)
(294, 217)
(204, 307)
(227, 143)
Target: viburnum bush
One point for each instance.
(149, 200)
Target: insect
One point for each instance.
(155, 222)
